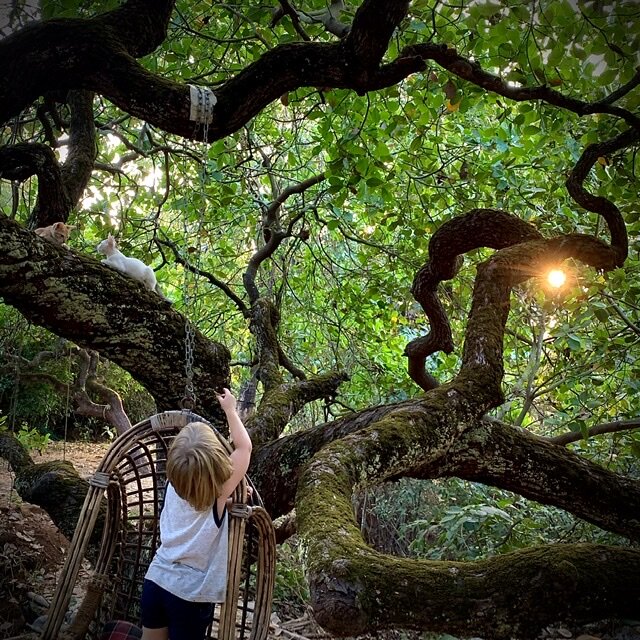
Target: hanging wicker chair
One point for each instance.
(133, 475)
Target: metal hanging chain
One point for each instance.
(189, 400)
(203, 101)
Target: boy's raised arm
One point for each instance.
(241, 455)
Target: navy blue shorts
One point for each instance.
(185, 620)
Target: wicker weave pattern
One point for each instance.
(135, 468)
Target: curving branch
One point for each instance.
(278, 406)
(452, 61)
(285, 362)
(599, 429)
(21, 161)
(478, 228)
(59, 186)
(600, 204)
(112, 412)
(273, 233)
(349, 581)
(541, 469)
(265, 317)
(223, 286)
(99, 54)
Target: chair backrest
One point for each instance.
(133, 474)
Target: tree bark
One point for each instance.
(514, 595)
(78, 298)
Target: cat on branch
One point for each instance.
(132, 267)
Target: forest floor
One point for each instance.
(32, 552)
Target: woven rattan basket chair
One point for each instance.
(133, 475)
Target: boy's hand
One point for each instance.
(227, 400)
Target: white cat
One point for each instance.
(133, 267)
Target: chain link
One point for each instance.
(203, 114)
(189, 341)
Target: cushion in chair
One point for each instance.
(120, 630)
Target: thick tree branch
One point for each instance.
(81, 147)
(285, 457)
(98, 54)
(599, 204)
(478, 228)
(59, 52)
(367, 42)
(351, 582)
(59, 186)
(540, 469)
(78, 298)
(279, 405)
(88, 55)
(140, 25)
(21, 161)
(424, 436)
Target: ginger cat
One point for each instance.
(58, 233)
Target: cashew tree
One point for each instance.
(351, 209)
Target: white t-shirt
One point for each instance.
(191, 562)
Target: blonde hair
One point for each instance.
(198, 465)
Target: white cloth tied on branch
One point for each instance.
(203, 100)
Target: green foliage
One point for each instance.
(398, 163)
(458, 520)
(30, 438)
(291, 591)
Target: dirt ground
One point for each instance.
(32, 552)
(31, 548)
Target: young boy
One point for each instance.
(189, 571)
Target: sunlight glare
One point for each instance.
(556, 278)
